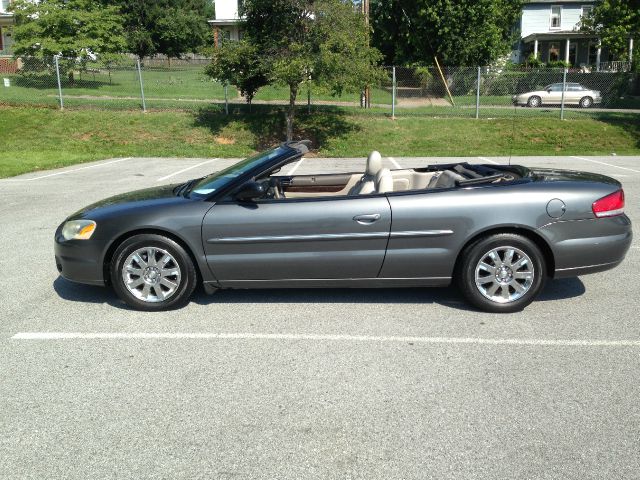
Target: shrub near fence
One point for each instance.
(182, 85)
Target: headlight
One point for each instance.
(78, 229)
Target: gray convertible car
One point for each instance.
(498, 231)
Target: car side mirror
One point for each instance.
(548, 90)
(250, 191)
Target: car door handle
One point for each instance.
(367, 219)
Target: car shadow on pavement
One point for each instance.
(447, 296)
(562, 288)
(77, 292)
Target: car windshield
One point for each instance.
(218, 180)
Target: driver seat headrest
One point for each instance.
(374, 163)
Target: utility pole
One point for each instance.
(365, 12)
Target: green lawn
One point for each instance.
(177, 86)
(44, 138)
(115, 86)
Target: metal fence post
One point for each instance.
(478, 96)
(226, 99)
(564, 88)
(59, 82)
(144, 102)
(393, 94)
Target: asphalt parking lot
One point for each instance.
(289, 384)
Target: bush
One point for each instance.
(558, 64)
(501, 84)
(534, 61)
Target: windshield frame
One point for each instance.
(255, 165)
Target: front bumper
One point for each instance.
(78, 260)
(588, 246)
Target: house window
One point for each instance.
(593, 53)
(586, 10)
(556, 17)
(554, 52)
(1, 40)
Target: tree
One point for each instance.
(614, 21)
(169, 27)
(76, 29)
(458, 33)
(238, 63)
(297, 41)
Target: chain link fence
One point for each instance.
(124, 83)
(482, 92)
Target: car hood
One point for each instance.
(535, 92)
(148, 197)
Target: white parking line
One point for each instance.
(295, 167)
(186, 170)
(331, 338)
(607, 164)
(485, 159)
(69, 171)
(395, 163)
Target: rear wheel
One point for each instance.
(502, 273)
(152, 273)
(534, 101)
(586, 102)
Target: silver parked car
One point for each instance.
(575, 94)
(498, 231)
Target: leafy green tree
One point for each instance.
(614, 21)
(76, 29)
(459, 33)
(298, 41)
(238, 63)
(169, 27)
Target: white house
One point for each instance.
(6, 21)
(550, 30)
(227, 24)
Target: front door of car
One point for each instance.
(554, 94)
(312, 239)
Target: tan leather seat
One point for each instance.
(384, 181)
(367, 183)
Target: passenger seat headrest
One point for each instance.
(374, 163)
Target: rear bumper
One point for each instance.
(588, 246)
(78, 260)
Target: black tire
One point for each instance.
(186, 282)
(534, 101)
(586, 102)
(470, 259)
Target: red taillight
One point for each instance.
(609, 206)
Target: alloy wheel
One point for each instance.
(151, 274)
(504, 274)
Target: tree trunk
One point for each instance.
(293, 93)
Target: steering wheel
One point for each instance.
(275, 188)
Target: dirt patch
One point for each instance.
(225, 140)
(422, 102)
(85, 137)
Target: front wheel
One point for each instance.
(586, 102)
(152, 273)
(534, 101)
(502, 273)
